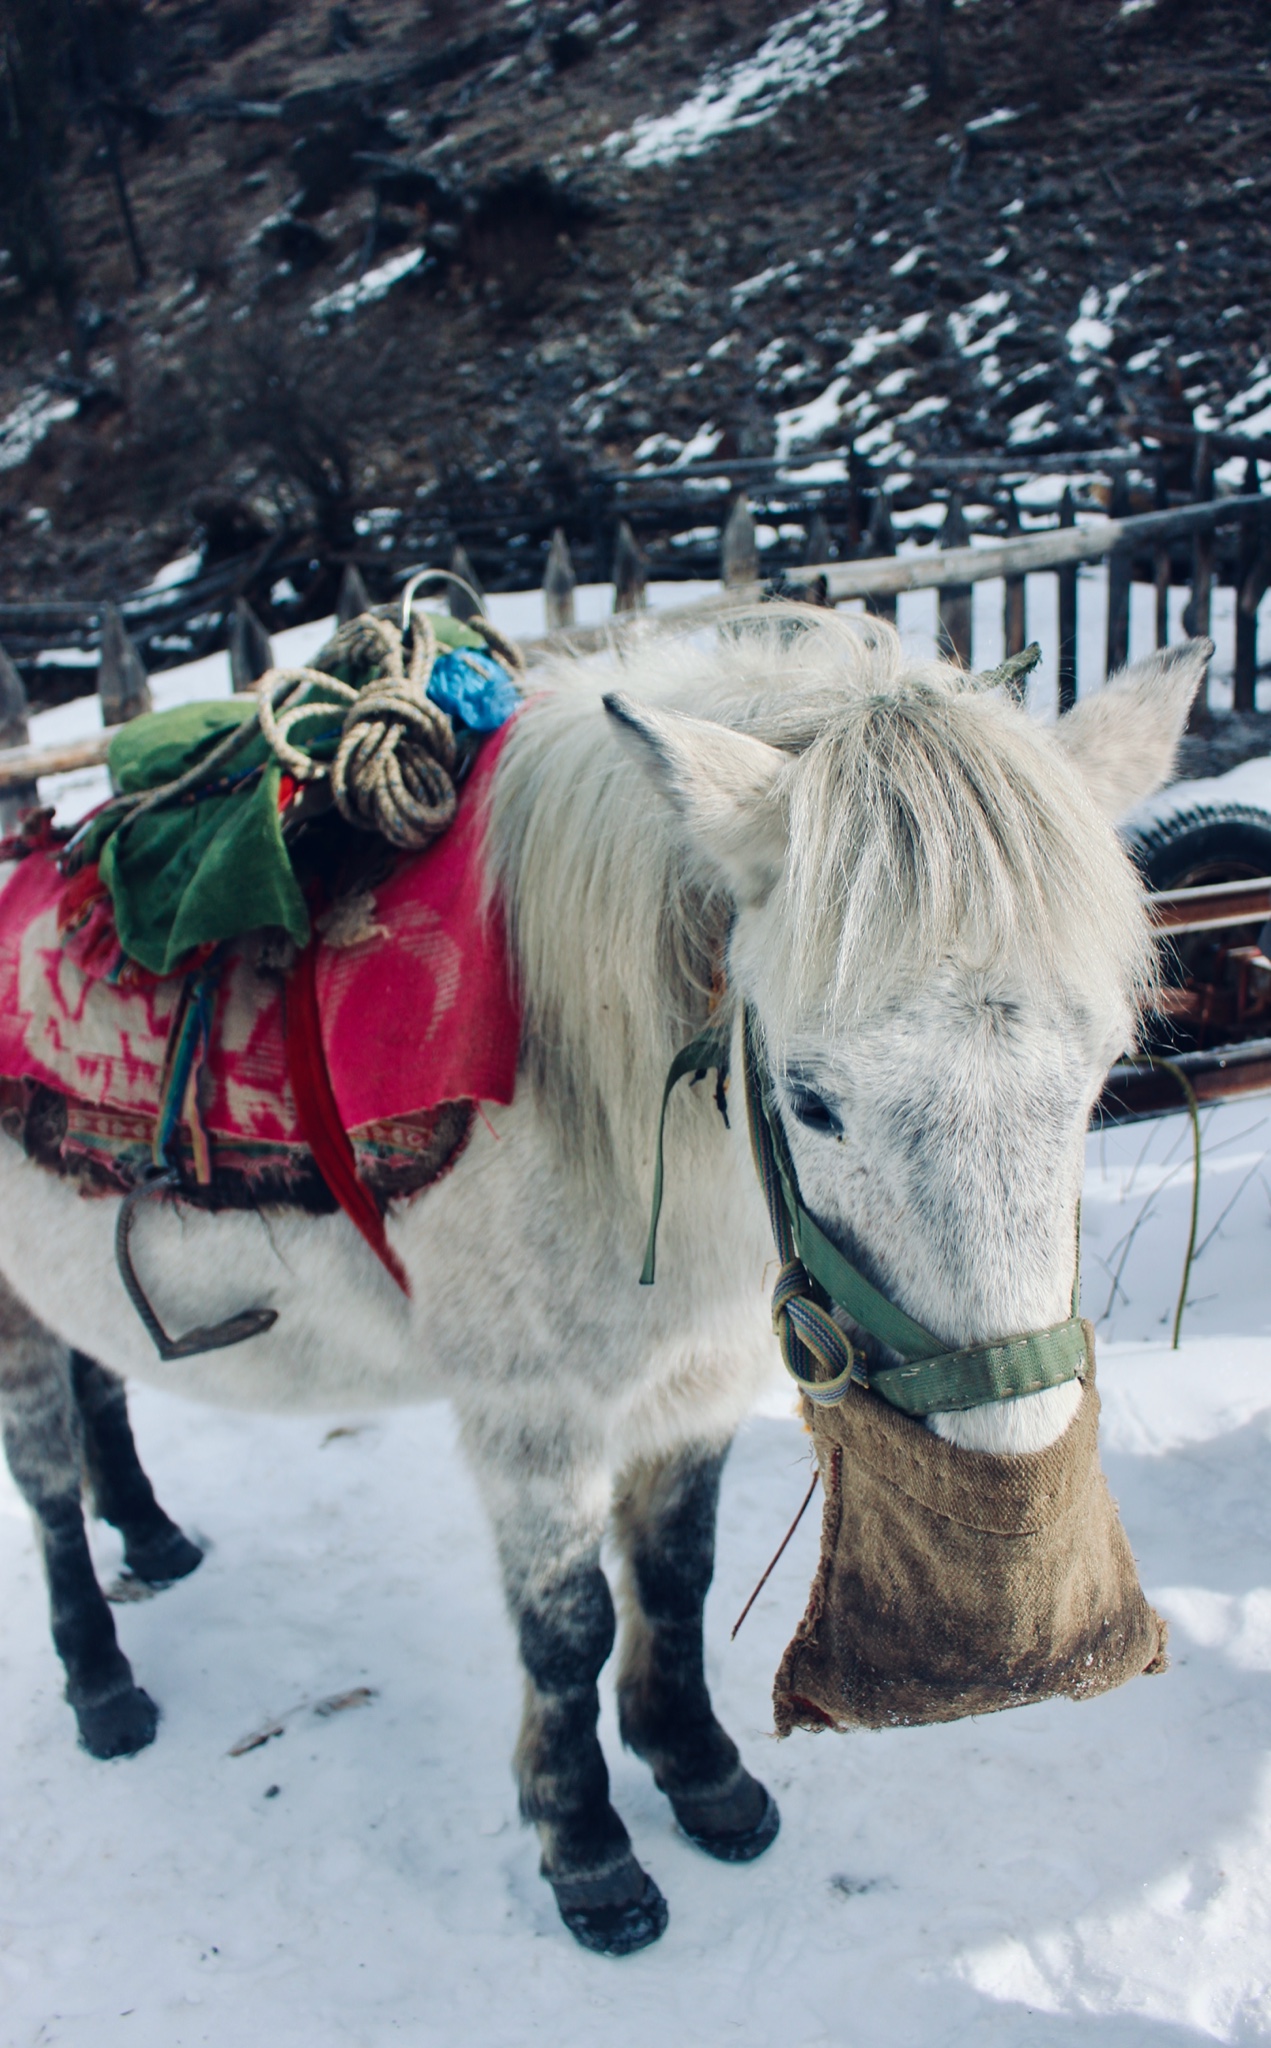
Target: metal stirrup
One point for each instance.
(249, 1322)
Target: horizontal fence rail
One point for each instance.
(1031, 552)
(1135, 1091)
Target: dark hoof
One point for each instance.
(616, 1930)
(119, 1726)
(737, 1845)
(163, 1557)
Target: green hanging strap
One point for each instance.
(707, 1051)
(816, 1277)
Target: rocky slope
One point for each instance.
(396, 255)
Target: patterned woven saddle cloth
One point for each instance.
(409, 1018)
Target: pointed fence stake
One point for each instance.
(14, 732)
(1117, 651)
(955, 599)
(461, 605)
(880, 540)
(628, 571)
(354, 598)
(1014, 623)
(250, 652)
(13, 705)
(1245, 691)
(1197, 610)
(122, 683)
(1067, 581)
(818, 550)
(558, 584)
(738, 547)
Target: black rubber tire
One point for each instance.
(1206, 843)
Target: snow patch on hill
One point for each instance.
(25, 426)
(803, 52)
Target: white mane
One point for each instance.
(927, 820)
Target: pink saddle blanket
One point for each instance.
(415, 998)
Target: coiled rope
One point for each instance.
(395, 765)
(393, 771)
(397, 760)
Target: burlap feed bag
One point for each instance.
(956, 1582)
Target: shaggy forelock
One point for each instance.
(932, 823)
(928, 821)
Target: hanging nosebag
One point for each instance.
(957, 1582)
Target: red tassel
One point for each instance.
(319, 1113)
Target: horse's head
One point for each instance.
(945, 947)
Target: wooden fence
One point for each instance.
(1128, 544)
(668, 524)
(1141, 545)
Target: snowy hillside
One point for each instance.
(390, 255)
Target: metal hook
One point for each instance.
(418, 576)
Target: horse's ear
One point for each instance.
(1123, 741)
(723, 784)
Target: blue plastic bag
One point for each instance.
(473, 687)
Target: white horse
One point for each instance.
(917, 890)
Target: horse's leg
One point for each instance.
(548, 1525)
(154, 1548)
(42, 1444)
(665, 1522)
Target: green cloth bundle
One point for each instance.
(213, 863)
(207, 867)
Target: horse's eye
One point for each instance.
(815, 1113)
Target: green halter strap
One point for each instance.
(815, 1276)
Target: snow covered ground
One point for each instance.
(1097, 1873)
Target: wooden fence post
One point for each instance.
(1196, 616)
(954, 634)
(819, 543)
(881, 540)
(251, 653)
(1117, 651)
(1014, 623)
(1254, 589)
(1067, 614)
(628, 571)
(558, 584)
(458, 602)
(122, 684)
(354, 598)
(738, 547)
(14, 732)
(1161, 561)
(1245, 694)
(857, 476)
